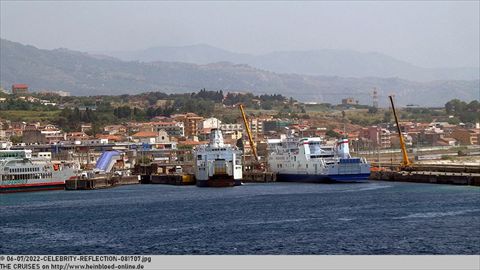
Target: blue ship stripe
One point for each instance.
(315, 178)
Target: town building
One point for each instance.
(85, 127)
(20, 89)
(173, 128)
(191, 123)
(349, 101)
(466, 136)
(276, 125)
(379, 136)
(114, 129)
(210, 123)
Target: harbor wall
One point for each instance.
(432, 177)
(101, 182)
(178, 179)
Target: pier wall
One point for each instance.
(101, 182)
(169, 179)
(433, 177)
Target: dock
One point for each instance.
(101, 182)
(178, 179)
(434, 174)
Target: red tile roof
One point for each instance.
(189, 142)
(145, 134)
(110, 137)
(20, 85)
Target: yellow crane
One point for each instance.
(249, 133)
(405, 161)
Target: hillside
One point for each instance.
(85, 74)
(343, 63)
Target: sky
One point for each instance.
(427, 34)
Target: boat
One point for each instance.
(309, 160)
(19, 171)
(217, 164)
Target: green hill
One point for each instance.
(85, 74)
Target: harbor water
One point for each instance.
(272, 218)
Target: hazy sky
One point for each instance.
(429, 34)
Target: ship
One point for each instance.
(19, 171)
(217, 164)
(309, 160)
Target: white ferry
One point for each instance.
(307, 160)
(217, 164)
(20, 172)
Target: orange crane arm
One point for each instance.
(406, 162)
(249, 132)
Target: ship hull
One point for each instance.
(32, 187)
(219, 182)
(315, 178)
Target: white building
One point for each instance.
(210, 123)
(231, 127)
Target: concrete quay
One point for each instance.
(101, 182)
(431, 177)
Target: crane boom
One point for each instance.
(249, 133)
(405, 162)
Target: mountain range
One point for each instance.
(326, 62)
(88, 74)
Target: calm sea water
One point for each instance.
(280, 218)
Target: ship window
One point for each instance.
(199, 157)
(306, 165)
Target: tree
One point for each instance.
(16, 139)
(332, 133)
(387, 117)
(122, 112)
(468, 113)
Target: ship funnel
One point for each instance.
(342, 148)
(216, 138)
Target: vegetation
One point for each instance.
(29, 116)
(465, 112)
(16, 104)
(103, 110)
(331, 133)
